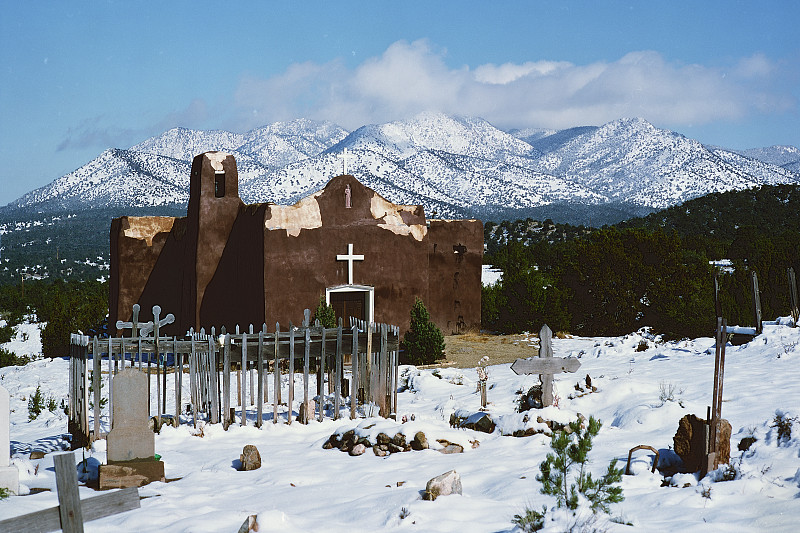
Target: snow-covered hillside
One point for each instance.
(456, 166)
(644, 386)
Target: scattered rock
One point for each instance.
(420, 441)
(448, 447)
(250, 458)
(744, 444)
(37, 455)
(443, 485)
(358, 449)
(383, 438)
(381, 450)
(479, 421)
(531, 399)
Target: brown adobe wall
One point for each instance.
(311, 235)
(455, 264)
(235, 294)
(144, 250)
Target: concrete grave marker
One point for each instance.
(131, 442)
(9, 475)
(546, 365)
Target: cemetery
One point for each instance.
(310, 427)
(423, 450)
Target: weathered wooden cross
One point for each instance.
(71, 512)
(546, 365)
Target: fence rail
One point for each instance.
(357, 365)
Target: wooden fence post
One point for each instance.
(337, 362)
(290, 400)
(226, 382)
(277, 375)
(354, 378)
(306, 364)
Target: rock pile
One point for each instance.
(354, 444)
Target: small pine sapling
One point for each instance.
(423, 343)
(559, 477)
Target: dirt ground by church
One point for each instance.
(465, 351)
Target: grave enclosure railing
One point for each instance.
(367, 379)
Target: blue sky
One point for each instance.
(78, 78)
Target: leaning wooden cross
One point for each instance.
(546, 365)
(72, 512)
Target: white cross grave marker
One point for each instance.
(145, 328)
(349, 257)
(546, 365)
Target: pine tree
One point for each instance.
(570, 452)
(325, 314)
(423, 342)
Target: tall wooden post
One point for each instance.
(794, 305)
(716, 400)
(756, 303)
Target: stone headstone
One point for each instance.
(443, 485)
(130, 444)
(250, 458)
(130, 437)
(9, 475)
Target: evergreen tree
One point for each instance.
(559, 477)
(423, 342)
(325, 314)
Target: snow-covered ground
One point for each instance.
(301, 487)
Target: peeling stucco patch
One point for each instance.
(216, 159)
(305, 214)
(145, 228)
(391, 214)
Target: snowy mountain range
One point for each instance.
(453, 166)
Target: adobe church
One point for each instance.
(227, 263)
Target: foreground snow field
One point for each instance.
(641, 395)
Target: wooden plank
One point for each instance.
(321, 378)
(337, 363)
(93, 508)
(226, 382)
(290, 400)
(554, 365)
(213, 374)
(383, 365)
(367, 372)
(260, 372)
(306, 364)
(794, 304)
(277, 375)
(354, 377)
(178, 363)
(756, 303)
(244, 380)
(69, 503)
(193, 392)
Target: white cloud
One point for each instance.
(412, 77)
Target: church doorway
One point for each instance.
(351, 301)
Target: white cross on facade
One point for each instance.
(345, 157)
(349, 257)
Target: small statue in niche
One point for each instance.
(347, 196)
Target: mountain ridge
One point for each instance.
(452, 165)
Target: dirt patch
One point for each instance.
(465, 351)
